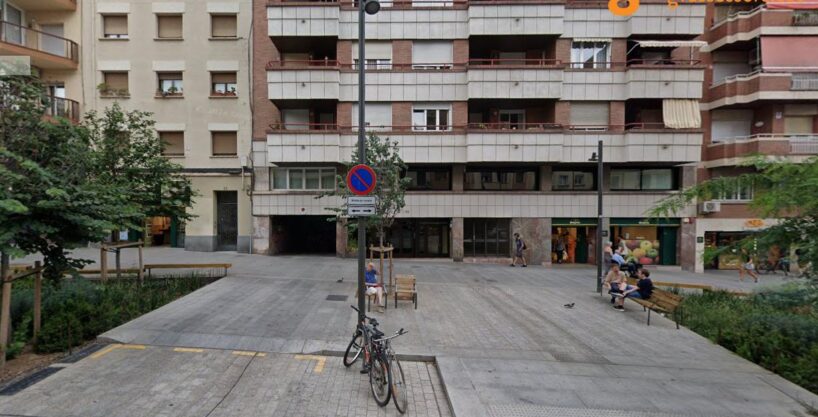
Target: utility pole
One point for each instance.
(599, 244)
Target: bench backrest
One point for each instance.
(666, 300)
(405, 283)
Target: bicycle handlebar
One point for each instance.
(400, 332)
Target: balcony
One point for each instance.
(732, 149)
(407, 82)
(46, 5)
(760, 85)
(748, 24)
(303, 80)
(516, 17)
(46, 51)
(515, 78)
(667, 78)
(63, 107)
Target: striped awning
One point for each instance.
(671, 44)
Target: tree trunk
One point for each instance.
(5, 307)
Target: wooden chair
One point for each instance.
(405, 289)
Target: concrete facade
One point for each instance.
(198, 54)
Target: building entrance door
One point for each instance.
(227, 220)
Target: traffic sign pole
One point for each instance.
(361, 152)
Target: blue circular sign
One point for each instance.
(361, 179)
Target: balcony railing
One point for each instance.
(801, 144)
(513, 63)
(508, 126)
(805, 18)
(63, 107)
(302, 63)
(505, 127)
(39, 41)
(804, 82)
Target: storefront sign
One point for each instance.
(753, 224)
(575, 221)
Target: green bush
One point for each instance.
(79, 310)
(776, 329)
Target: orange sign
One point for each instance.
(754, 223)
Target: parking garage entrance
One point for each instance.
(301, 235)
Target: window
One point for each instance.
(742, 192)
(589, 115)
(592, 55)
(170, 83)
(430, 118)
(486, 237)
(654, 179)
(378, 55)
(169, 26)
(114, 84)
(378, 116)
(501, 179)
(223, 84)
(512, 119)
(173, 143)
(432, 55)
(223, 26)
(115, 26)
(572, 181)
(429, 178)
(14, 30)
(376, 64)
(302, 178)
(224, 143)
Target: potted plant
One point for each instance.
(104, 89)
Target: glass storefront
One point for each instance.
(486, 237)
(419, 238)
(578, 238)
(646, 241)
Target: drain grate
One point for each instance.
(83, 353)
(337, 297)
(29, 380)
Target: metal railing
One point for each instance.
(741, 14)
(505, 127)
(63, 107)
(39, 41)
(508, 126)
(804, 82)
(805, 18)
(514, 62)
(302, 63)
(804, 144)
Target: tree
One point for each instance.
(384, 158)
(782, 190)
(49, 199)
(128, 156)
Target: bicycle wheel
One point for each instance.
(399, 393)
(353, 352)
(379, 380)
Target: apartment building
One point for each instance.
(760, 97)
(497, 108)
(187, 62)
(47, 32)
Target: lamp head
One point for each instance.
(593, 157)
(371, 6)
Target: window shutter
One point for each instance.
(170, 76)
(224, 143)
(726, 124)
(295, 119)
(589, 113)
(115, 24)
(170, 27)
(432, 52)
(117, 80)
(798, 125)
(223, 26)
(224, 77)
(374, 50)
(173, 143)
(377, 115)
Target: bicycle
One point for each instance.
(374, 359)
(397, 382)
(767, 267)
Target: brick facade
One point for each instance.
(402, 52)
(264, 112)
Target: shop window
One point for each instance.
(501, 179)
(572, 181)
(302, 178)
(486, 237)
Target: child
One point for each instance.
(373, 286)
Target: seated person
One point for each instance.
(643, 289)
(614, 281)
(373, 286)
(617, 257)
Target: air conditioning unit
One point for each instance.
(710, 207)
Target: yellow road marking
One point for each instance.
(319, 367)
(188, 350)
(105, 351)
(132, 347)
(261, 354)
(245, 353)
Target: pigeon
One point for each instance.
(570, 305)
(340, 280)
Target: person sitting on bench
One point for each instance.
(643, 289)
(373, 286)
(615, 281)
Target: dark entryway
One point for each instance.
(419, 238)
(227, 223)
(303, 235)
(486, 237)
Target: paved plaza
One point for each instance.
(502, 342)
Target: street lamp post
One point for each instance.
(364, 7)
(600, 247)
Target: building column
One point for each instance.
(261, 235)
(535, 231)
(545, 178)
(687, 246)
(341, 238)
(457, 239)
(458, 174)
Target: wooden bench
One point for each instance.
(660, 301)
(406, 289)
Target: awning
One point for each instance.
(681, 114)
(671, 44)
(608, 40)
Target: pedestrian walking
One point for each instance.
(747, 267)
(519, 247)
(559, 248)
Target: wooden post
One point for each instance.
(141, 273)
(118, 264)
(5, 308)
(103, 263)
(380, 266)
(38, 292)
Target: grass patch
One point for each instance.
(777, 329)
(79, 310)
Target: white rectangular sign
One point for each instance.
(361, 201)
(360, 211)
